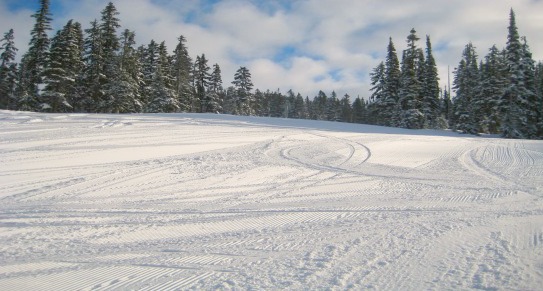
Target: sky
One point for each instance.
(303, 45)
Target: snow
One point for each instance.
(209, 201)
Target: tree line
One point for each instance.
(100, 69)
(500, 94)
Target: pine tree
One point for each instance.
(110, 41)
(386, 108)
(288, 109)
(539, 94)
(377, 77)
(430, 91)
(26, 101)
(130, 68)
(215, 91)
(8, 71)
(182, 65)
(346, 109)
(93, 77)
(516, 121)
(35, 59)
(260, 103)
(378, 97)
(527, 67)
(110, 45)
(332, 108)
(160, 84)
(308, 105)
(359, 111)
(466, 80)
(491, 88)
(243, 85)
(202, 81)
(409, 102)
(122, 91)
(299, 110)
(63, 69)
(446, 105)
(275, 103)
(319, 106)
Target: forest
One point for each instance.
(101, 69)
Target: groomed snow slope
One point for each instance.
(181, 201)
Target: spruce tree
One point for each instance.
(8, 71)
(319, 106)
(359, 111)
(202, 80)
(299, 110)
(409, 103)
(289, 110)
(63, 69)
(243, 86)
(215, 90)
(515, 122)
(446, 105)
(430, 91)
(529, 105)
(539, 102)
(93, 74)
(159, 88)
(466, 82)
(122, 92)
(346, 109)
(182, 65)
(378, 98)
(492, 85)
(391, 88)
(332, 107)
(110, 45)
(35, 60)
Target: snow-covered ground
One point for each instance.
(181, 201)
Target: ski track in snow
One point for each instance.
(200, 201)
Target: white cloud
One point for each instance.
(336, 42)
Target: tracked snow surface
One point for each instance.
(205, 201)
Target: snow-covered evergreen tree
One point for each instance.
(122, 91)
(202, 81)
(359, 111)
(182, 66)
(466, 82)
(378, 96)
(446, 105)
(411, 85)
(430, 91)
(8, 71)
(332, 109)
(377, 78)
(243, 86)
(539, 93)
(516, 122)
(298, 108)
(159, 82)
(110, 45)
(93, 76)
(345, 109)
(491, 88)
(63, 69)
(35, 60)
(386, 110)
(215, 92)
(527, 66)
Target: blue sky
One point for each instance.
(304, 45)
